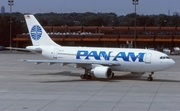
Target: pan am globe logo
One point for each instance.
(36, 32)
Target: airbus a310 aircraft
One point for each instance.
(97, 62)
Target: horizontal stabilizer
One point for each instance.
(36, 51)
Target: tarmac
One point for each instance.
(28, 87)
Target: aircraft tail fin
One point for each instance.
(37, 34)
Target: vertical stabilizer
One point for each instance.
(37, 33)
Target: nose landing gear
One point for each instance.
(150, 78)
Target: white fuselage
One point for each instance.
(132, 60)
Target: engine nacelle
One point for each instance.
(102, 72)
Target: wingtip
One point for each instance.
(22, 60)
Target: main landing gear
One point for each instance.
(150, 78)
(86, 76)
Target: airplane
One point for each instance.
(97, 62)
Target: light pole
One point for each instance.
(135, 2)
(10, 3)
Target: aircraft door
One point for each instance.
(148, 58)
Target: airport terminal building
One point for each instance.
(145, 37)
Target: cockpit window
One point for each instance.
(167, 57)
(164, 57)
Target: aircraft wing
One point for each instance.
(109, 63)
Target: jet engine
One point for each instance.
(102, 72)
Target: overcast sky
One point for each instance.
(120, 7)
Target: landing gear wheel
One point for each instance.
(82, 76)
(88, 77)
(112, 75)
(150, 79)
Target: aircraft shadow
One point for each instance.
(65, 73)
(116, 78)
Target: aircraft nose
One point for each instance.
(167, 64)
(172, 62)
